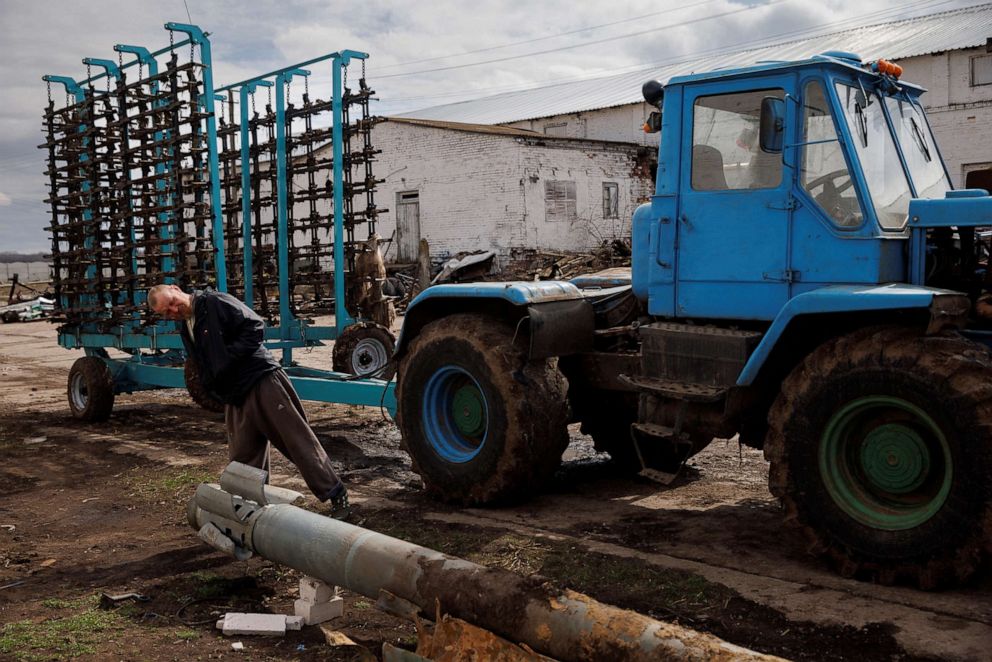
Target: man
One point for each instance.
(224, 337)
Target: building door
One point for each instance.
(407, 226)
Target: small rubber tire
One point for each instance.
(197, 391)
(515, 425)
(90, 389)
(880, 451)
(365, 348)
(607, 417)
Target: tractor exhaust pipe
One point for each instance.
(242, 516)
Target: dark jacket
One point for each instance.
(228, 346)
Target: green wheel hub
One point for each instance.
(469, 411)
(885, 462)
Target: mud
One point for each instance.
(91, 508)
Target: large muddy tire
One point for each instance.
(481, 422)
(607, 417)
(90, 389)
(197, 391)
(365, 348)
(880, 446)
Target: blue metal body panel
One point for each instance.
(519, 293)
(836, 299)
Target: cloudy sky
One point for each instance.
(420, 51)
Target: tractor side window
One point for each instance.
(725, 150)
(824, 172)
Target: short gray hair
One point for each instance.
(155, 292)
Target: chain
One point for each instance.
(306, 86)
(141, 69)
(172, 41)
(48, 83)
(192, 50)
(345, 77)
(289, 90)
(89, 77)
(268, 90)
(252, 95)
(363, 69)
(120, 60)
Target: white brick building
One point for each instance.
(469, 187)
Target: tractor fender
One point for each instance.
(940, 308)
(560, 319)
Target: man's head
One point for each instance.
(170, 302)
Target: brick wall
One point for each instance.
(484, 191)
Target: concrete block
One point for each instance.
(318, 612)
(314, 590)
(294, 622)
(260, 624)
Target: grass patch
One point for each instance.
(56, 603)
(59, 638)
(175, 483)
(626, 582)
(187, 635)
(361, 604)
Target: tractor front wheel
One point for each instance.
(880, 449)
(481, 423)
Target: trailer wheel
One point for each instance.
(90, 389)
(481, 422)
(880, 450)
(365, 348)
(197, 391)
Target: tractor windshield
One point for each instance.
(876, 150)
(919, 148)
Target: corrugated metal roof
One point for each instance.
(491, 129)
(960, 28)
(471, 128)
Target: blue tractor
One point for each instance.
(804, 277)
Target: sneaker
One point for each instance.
(340, 507)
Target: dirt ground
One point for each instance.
(92, 508)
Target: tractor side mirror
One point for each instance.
(653, 92)
(772, 129)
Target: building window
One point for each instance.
(981, 70)
(611, 200)
(558, 129)
(559, 201)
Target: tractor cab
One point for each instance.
(786, 177)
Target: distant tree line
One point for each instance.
(10, 256)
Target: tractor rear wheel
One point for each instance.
(90, 389)
(197, 391)
(880, 449)
(481, 423)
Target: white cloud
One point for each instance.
(4, 199)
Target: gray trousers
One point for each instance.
(272, 413)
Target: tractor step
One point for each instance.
(674, 389)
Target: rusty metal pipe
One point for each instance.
(563, 624)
